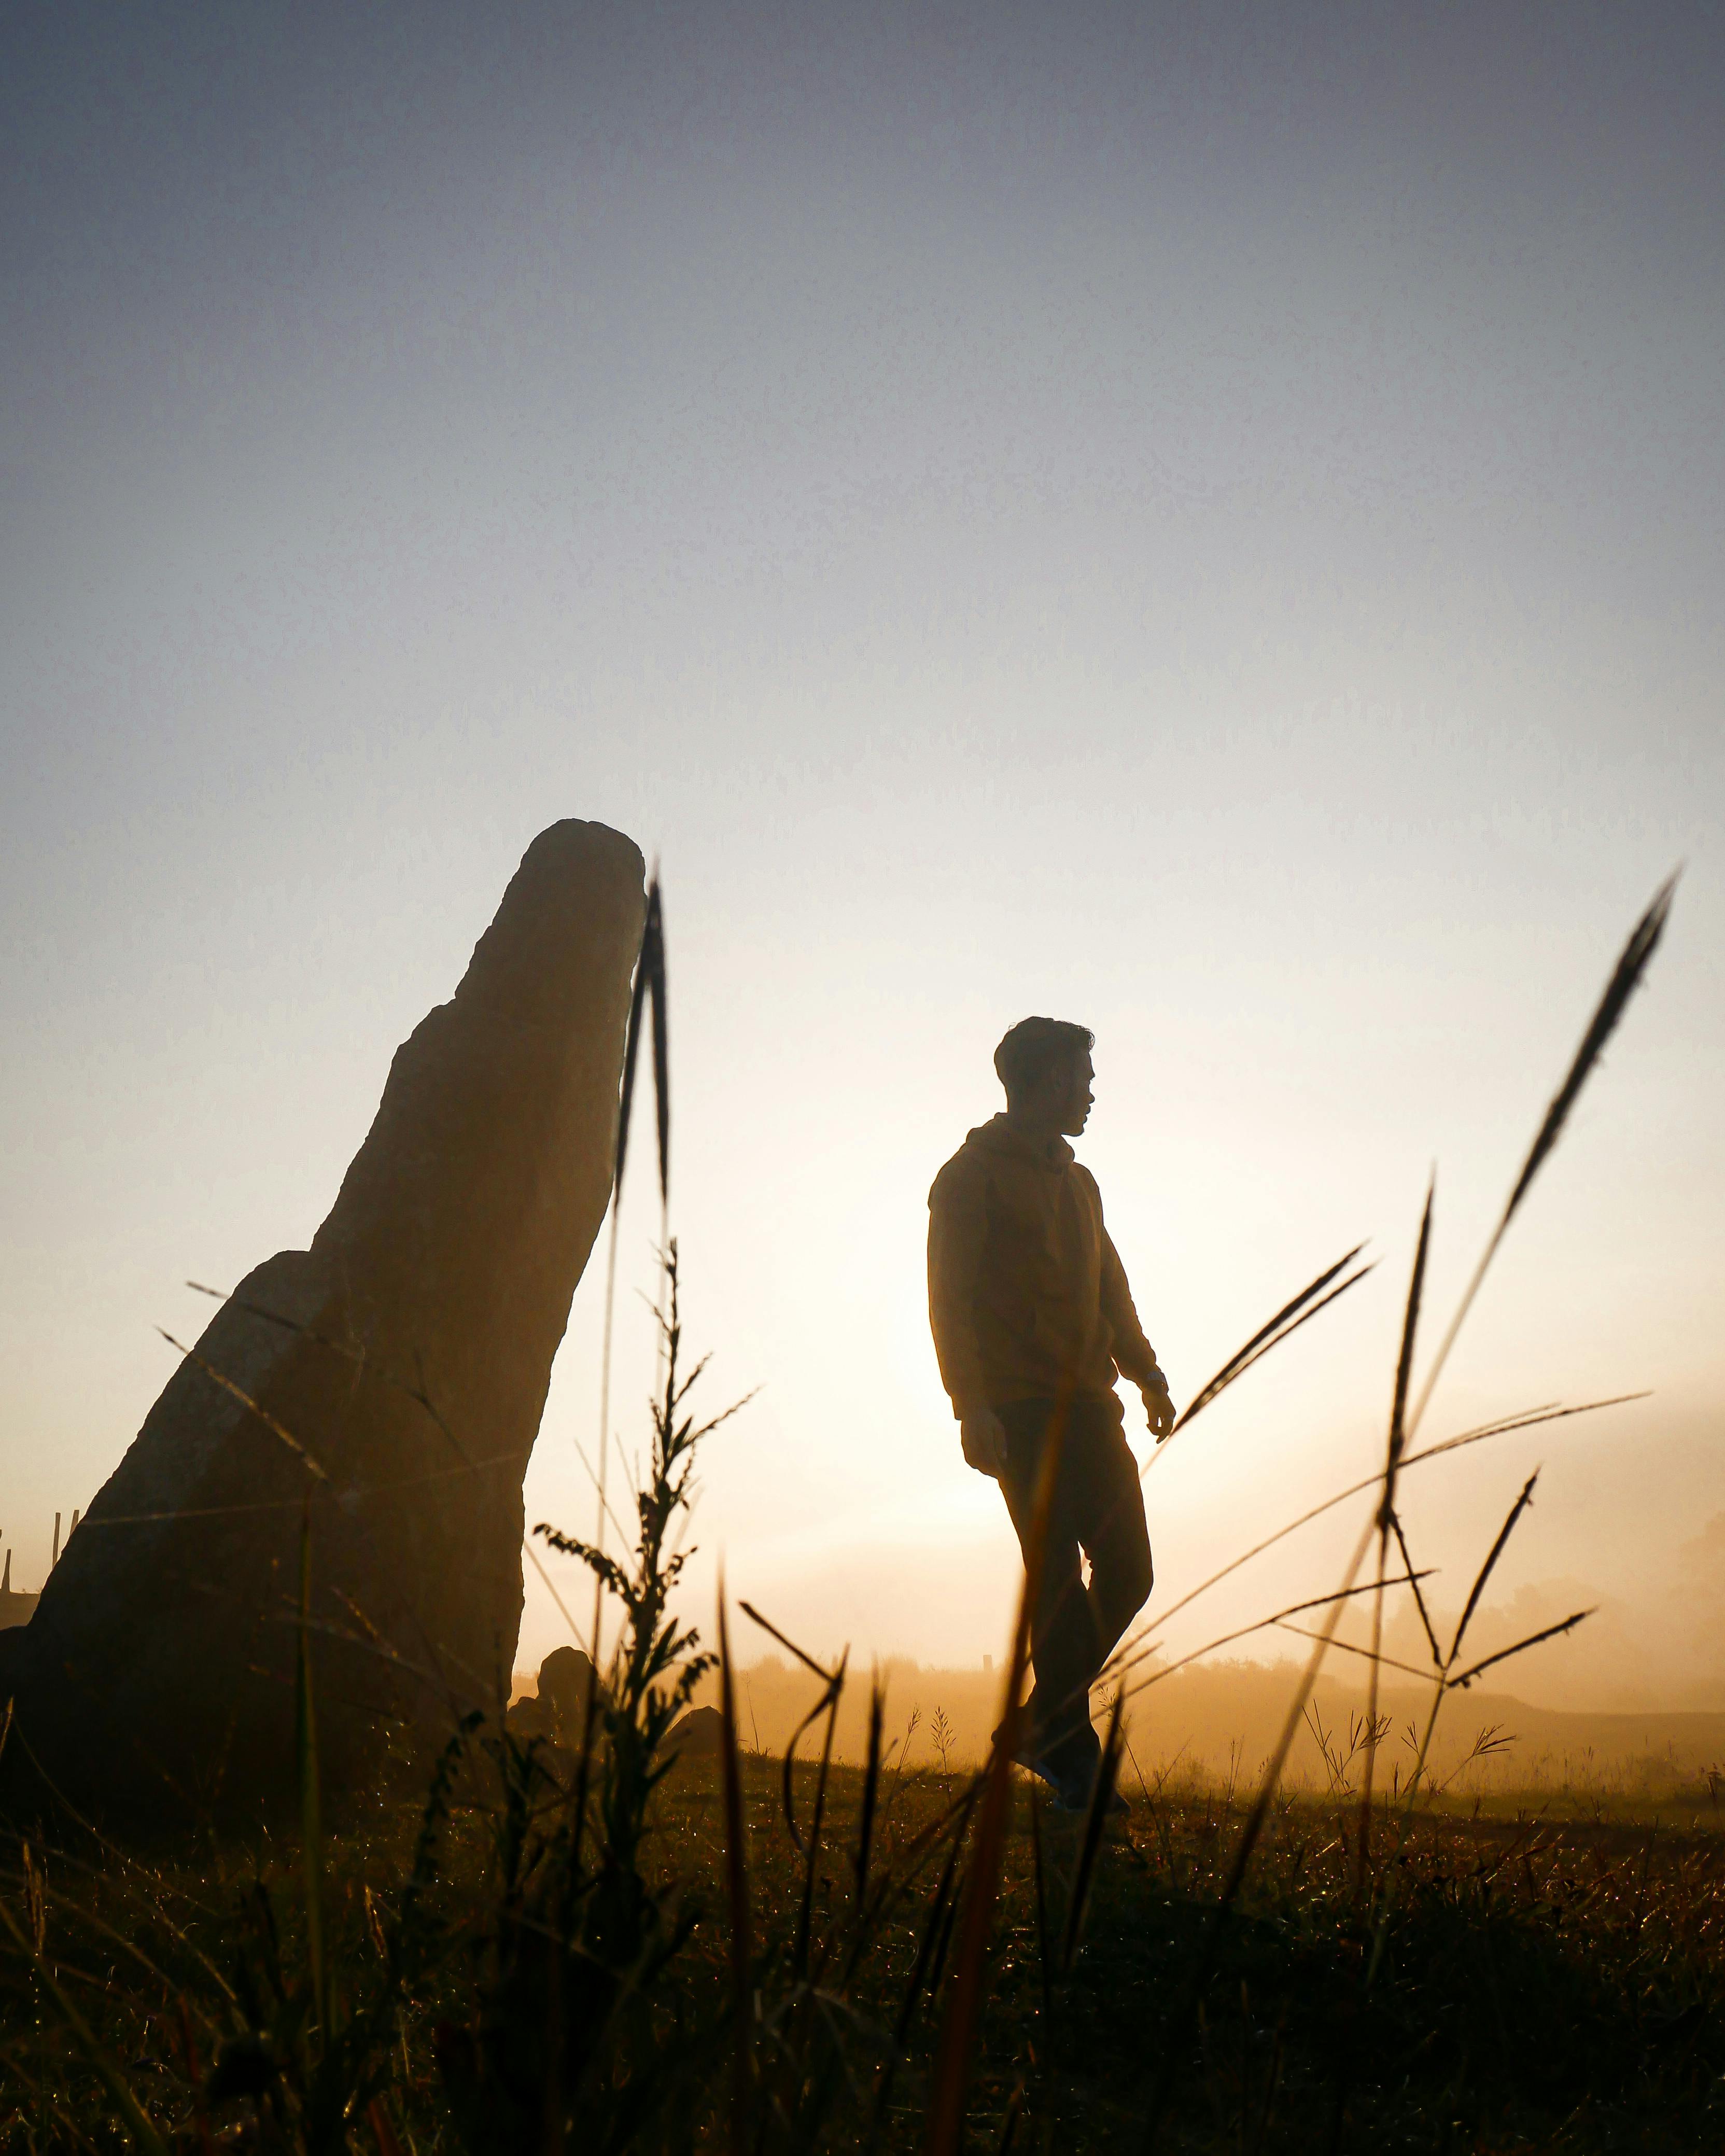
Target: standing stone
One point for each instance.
(565, 1688)
(392, 1377)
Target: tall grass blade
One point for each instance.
(1637, 955)
(1119, 1668)
(550, 1587)
(1095, 1818)
(737, 1893)
(649, 968)
(649, 983)
(1507, 1425)
(1503, 1654)
(1266, 1335)
(589, 1739)
(1626, 976)
(1130, 1650)
(952, 2064)
(602, 1506)
(1404, 1360)
(1394, 1448)
(653, 955)
(314, 1465)
(1289, 1309)
(310, 1792)
(827, 1704)
(1366, 1654)
(785, 1641)
(870, 1793)
(1044, 1958)
(805, 1914)
(632, 1039)
(1485, 1570)
(1443, 1685)
(1431, 1639)
(832, 1683)
(1313, 1310)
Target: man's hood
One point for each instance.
(997, 1135)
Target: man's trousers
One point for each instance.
(1098, 1509)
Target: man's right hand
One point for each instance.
(1158, 1408)
(983, 1437)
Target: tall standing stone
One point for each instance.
(380, 1393)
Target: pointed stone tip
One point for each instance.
(571, 840)
(579, 891)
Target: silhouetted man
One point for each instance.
(1032, 1320)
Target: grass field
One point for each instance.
(1542, 1982)
(1505, 1983)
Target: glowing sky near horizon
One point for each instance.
(1205, 521)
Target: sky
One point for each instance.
(1202, 520)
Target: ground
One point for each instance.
(1504, 1982)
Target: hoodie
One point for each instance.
(1027, 1297)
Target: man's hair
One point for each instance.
(1033, 1046)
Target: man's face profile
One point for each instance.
(1061, 1099)
(1076, 1099)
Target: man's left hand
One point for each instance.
(1158, 1405)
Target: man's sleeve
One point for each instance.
(957, 1226)
(1134, 1357)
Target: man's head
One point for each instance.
(1045, 1065)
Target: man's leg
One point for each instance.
(1107, 1510)
(1063, 1632)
